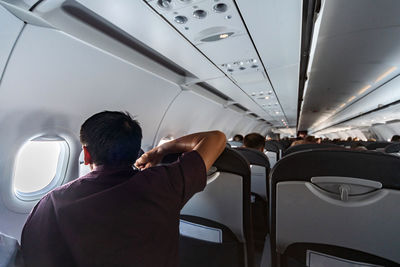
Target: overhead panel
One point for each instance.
(216, 28)
(275, 27)
(356, 55)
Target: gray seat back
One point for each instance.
(259, 166)
(9, 248)
(345, 199)
(226, 200)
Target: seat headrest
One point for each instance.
(271, 146)
(229, 161)
(375, 145)
(302, 147)
(369, 165)
(393, 148)
(255, 157)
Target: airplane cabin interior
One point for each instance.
(317, 79)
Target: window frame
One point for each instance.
(59, 177)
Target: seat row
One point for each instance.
(316, 205)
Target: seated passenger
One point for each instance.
(395, 138)
(358, 146)
(255, 141)
(117, 215)
(238, 138)
(307, 140)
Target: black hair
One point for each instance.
(254, 140)
(395, 138)
(238, 138)
(112, 138)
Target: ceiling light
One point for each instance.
(267, 97)
(217, 36)
(385, 74)
(342, 105)
(351, 99)
(364, 89)
(164, 3)
(180, 19)
(220, 8)
(199, 14)
(276, 112)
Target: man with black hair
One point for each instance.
(255, 141)
(117, 215)
(395, 138)
(238, 138)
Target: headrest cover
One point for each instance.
(229, 161)
(255, 157)
(393, 148)
(270, 146)
(369, 165)
(375, 145)
(302, 147)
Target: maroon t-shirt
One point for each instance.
(114, 217)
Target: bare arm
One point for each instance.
(208, 144)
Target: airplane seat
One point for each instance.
(235, 143)
(377, 145)
(272, 152)
(224, 204)
(335, 208)
(303, 147)
(393, 148)
(10, 255)
(259, 166)
(280, 147)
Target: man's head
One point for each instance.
(238, 138)
(111, 138)
(395, 138)
(255, 141)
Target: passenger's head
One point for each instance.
(254, 140)
(238, 138)
(111, 138)
(395, 138)
(309, 139)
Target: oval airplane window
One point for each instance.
(40, 166)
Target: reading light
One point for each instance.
(164, 3)
(180, 19)
(364, 89)
(220, 8)
(351, 99)
(385, 74)
(199, 14)
(267, 97)
(276, 112)
(223, 36)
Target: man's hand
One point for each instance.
(149, 159)
(208, 144)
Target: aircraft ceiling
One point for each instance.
(355, 59)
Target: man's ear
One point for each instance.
(87, 158)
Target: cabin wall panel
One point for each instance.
(52, 83)
(192, 112)
(9, 31)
